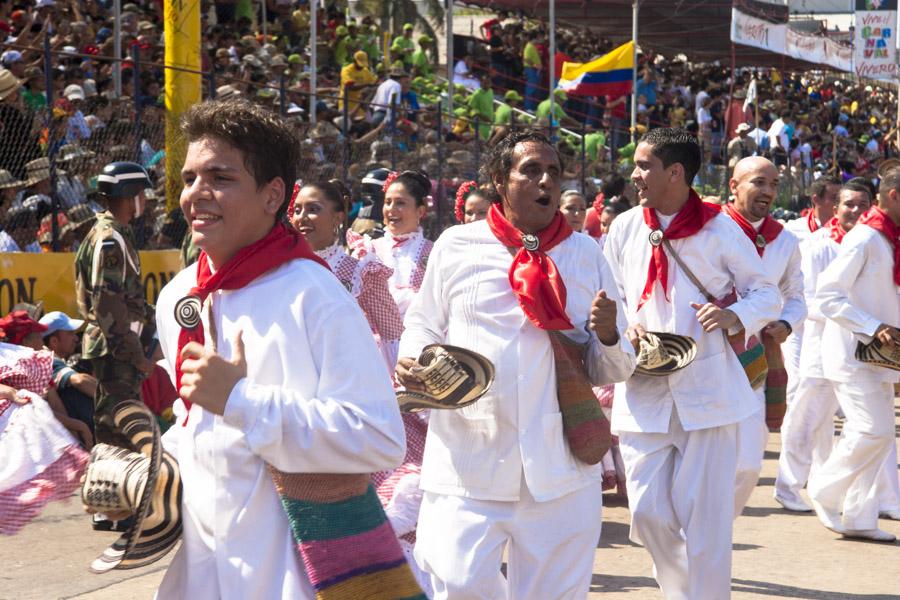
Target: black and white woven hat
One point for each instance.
(878, 354)
(143, 480)
(661, 353)
(453, 377)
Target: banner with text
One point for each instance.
(781, 39)
(31, 278)
(875, 39)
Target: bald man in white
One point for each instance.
(754, 186)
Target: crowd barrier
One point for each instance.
(32, 277)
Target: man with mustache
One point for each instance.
(498, 473)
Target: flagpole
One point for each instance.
(552, 65)
(634, 38)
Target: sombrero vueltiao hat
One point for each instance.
(453, 377)
(662, 353)
(876, 353)
(143, 480)
(886, 165)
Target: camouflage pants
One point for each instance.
(118, 381)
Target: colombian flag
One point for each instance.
(608, 75)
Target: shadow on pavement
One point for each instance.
(763, 588)
(620, 583)
(615, 534)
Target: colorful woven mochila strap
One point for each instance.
(344, 538)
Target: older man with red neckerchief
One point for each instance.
(754, 186)
(858, 294)
(498, 474)
(678, 434)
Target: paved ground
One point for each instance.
(776, 554)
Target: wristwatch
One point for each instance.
(788, 325)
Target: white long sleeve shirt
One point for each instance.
(816, 254)
(483, 450)
(857, 293)
(800, 228)
(781, 262)
(316, 399)
(713, 390)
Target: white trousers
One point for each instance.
(888, 482)
(752, 436)
(807, 435)
(846, 483)
(460, 543)
(681, 496)
(790, 350)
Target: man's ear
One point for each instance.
(274, 195)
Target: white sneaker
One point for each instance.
(795, 504)
(893, 514)
(876, 535)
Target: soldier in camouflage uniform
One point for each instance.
(111, 295)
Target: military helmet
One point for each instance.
(122, 180)
(372, 192)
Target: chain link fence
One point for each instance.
(61, 126)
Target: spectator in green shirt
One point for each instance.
(531, 61)
(403, 46)
(33, 91)
(503, 115)
(341, 45)
(559, 115)
(481, 103)
(420, 61)
(594, 142)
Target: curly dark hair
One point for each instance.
(499, 161)
(267, 142)
(675, 145)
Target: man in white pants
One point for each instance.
(807, 433)
(754, 186)
(858, 295)
(678, 434)
(499, 474)
(823, 193)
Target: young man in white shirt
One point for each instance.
(498, 474)
(858, 295)
(807, 433)
(678, 434)
(823, 195)
(276, 368)
(754, 187)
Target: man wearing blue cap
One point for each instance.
(75, 389)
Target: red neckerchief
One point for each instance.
(279, 246)
(811, 221)
(690, 219)
(533, 275)
(835, 231)
(878, 220)
(767, 233)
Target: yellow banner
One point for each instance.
(182, 35)
(31, 278)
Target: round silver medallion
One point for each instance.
(531, 242)
(187, 312)
(656, 237)
(760, 241)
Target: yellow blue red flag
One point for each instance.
(609, 75)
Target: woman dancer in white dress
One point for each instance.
(319, 211)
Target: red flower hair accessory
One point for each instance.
(294, 194)
(462, 192)
(390, 179)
